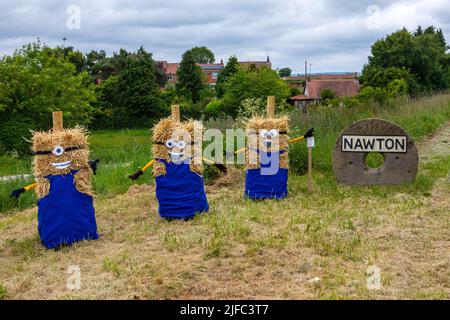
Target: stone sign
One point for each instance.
(375, 135)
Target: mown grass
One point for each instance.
(123, 152)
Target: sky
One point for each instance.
(333, 36)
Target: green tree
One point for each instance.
(190, 78)
(139, 99)
(327, 94)
(285, 72)
(230, 69)
(421, 54)
(34, 81)
(202, 55)
(254, 83)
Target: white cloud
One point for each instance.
(332, 35)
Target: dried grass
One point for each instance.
(188, 131)
(42, 164)
(258, 123)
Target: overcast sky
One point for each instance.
(332, 35)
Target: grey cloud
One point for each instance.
(332, 35)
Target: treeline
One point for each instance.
(131, 89)
(125, 90)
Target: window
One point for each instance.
(169, 77)
(214, 75)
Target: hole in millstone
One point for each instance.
(350, 162)
(396, 158)
(374, 160)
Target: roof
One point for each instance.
(300, 97)
(324, 76)
(211, 66)
(342, 88)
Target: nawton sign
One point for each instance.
(375, 135)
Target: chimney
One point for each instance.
(221, 61)
(268, 59)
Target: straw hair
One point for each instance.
(42, 164)
(258, 123)
(169, 129)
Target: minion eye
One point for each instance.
(181, 144)
(170, 143)
(264, 133)
(273, 133)
(58, 151)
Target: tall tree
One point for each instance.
(139, 99)
(285, 72)
(230, 69)
(421, 54)
(190, 78)
(253, 84)
(202, 55)
(34, 81)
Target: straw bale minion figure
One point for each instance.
(63, 186)
(267, 158)
(178, 169)
(266, 154)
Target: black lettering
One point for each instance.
(391, 144)
(348, 144)
(358, 144)
(369, 143)
(400, 144)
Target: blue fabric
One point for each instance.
(65, 215)
(269, 181)
(180, 192)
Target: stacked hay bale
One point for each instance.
(267, 157)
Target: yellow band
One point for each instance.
(148, 165)
(297, 139)
(31, 186)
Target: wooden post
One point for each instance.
(57, 120)
(271, 107)
(176, 113)
(310, 182)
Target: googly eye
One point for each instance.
(181, 144)
(170, 143)
(273, 133)
(264, 133)
(58, 151)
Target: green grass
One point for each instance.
(124, 151)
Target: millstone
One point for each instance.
(375, 135)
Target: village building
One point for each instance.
(210, 70)
(342, 88)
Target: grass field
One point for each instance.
(247, 249)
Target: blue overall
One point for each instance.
(269, 181)
(180, 192)
(65, 215)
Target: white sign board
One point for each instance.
(310, 142)
(364, 143)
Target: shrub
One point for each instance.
(14, 133)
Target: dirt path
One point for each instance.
(436, 145)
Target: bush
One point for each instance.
(14, 133)
(214, 109)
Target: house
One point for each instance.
(298, 81)
(245, 65)
(210, 70)
(342, 88)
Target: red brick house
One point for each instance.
(210, 70)
(245, 65)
